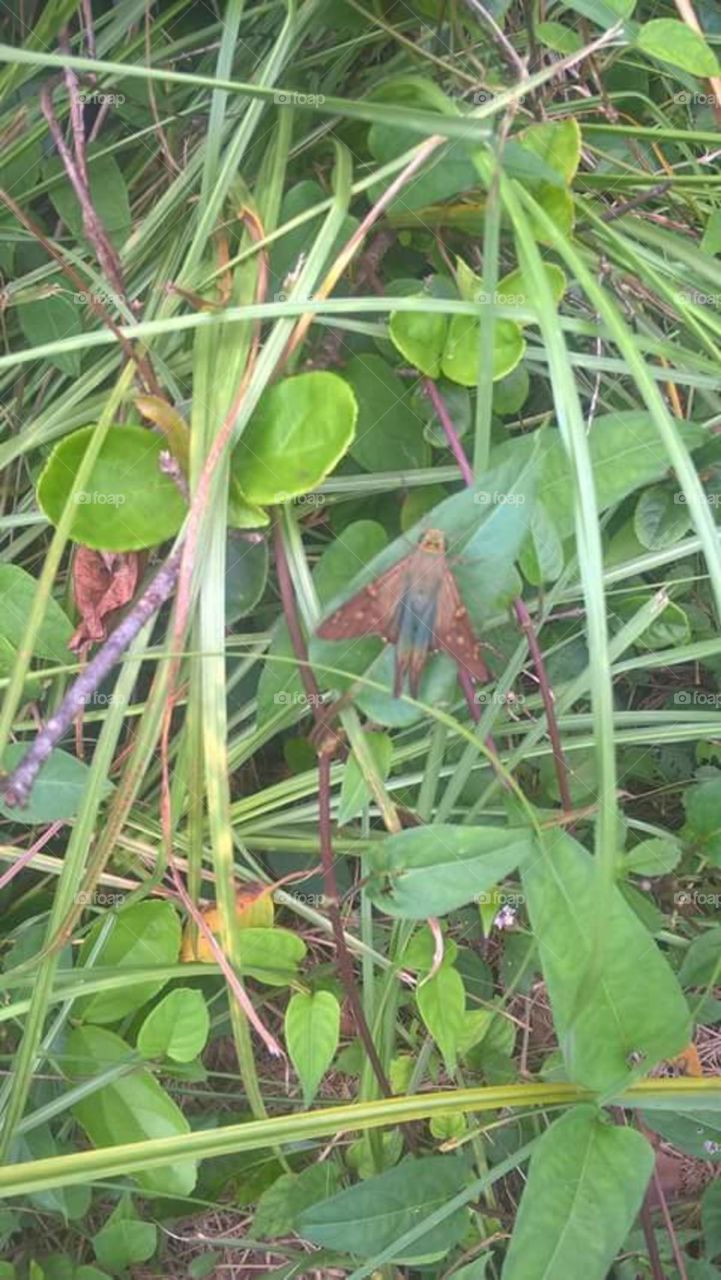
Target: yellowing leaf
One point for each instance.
(253, 910)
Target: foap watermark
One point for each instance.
(97, 99)
(696, 898)
(685, 99)
(100, 297)
(316, 900)
(482, 95)
(289, 98)
(696, 698)
(487, 499)
(99, 898)
(510, 699)
(301, 500)
(712, 499)
(98, 699)
(100, 499)
(702, 299)
(286, 698)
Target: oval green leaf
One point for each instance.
(581, 1163)
(128, 503)
(144, 934)
(177, 1027)
(133, 1108)
(312, 1028)
(300, 430)
(429, 871)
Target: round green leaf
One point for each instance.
(441, 1003)
(143, 934)
(127, 503)
(460, 354)
(420, 337)
(176, 1028)
(300, 430)
(312, 1027)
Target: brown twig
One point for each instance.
(16, 788)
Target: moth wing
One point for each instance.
(453, 632)
(374, 610)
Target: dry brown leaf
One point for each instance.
(103, 583)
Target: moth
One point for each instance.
(414, 605)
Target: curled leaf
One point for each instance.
(103, 582)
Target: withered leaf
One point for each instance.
(103, 583)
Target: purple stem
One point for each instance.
(16, 788)
(446, 422)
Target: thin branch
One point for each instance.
(16, 788)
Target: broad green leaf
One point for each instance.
(312, 1028)
(419, 951)
(511, 392)
(271, 956)
(39, 1143)
(604, 12)
(654, 857)
(441, 1003)
(695, 1132)
(17, 592)
(125, 1240)
(542, 557)
(299, 431)
(449, 170)
(514, 291)
(287, 252)
(281, 1204)
(355, 792)
(57, 791)
(49, 319)
(460, 353)
(246, 573)
(582, 1164)
(389, 434)
(177, 1027)
(428, 871)
(679, 45)
(109, 196)
(626, 453)
(560, 39)
(128, 503)
(661, 517)
(142, 935)
(636, 1006)
(702, 961)
(711, 1218)
(420, 336)
(369, 1216)
(134, 1108)
(703, 818)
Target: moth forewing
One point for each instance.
(416, 606)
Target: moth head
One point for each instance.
(434, 541)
